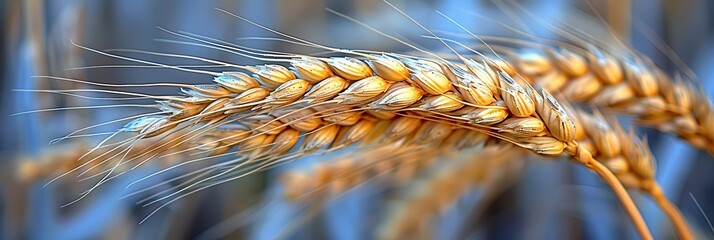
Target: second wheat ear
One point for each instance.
(628, 86)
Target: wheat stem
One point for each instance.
(675, 216)
(584, 156)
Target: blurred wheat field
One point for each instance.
(360, 192)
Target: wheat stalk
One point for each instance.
(629, 157)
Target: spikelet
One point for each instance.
(398, 96)
(288, 92)
(236, 82)
(618, 165)
(432, 133)
(303, 120)
(555, 117)
(641, 80)
(382, 115)
(206, 91)
(605, 67)
(242, 102)
(498, 64)
(271, 75)
(605, 139)
(527, 127)
(677, 93)
(485, 116)
(533, 63)
(582, 88)
(339, 114)
(363, 90)
(358, 131)
(431, 81)
(232, 136)
(649, 106)
(401, 127)
(638, 155)
(326, 89)
(265, 124)
(180, 110)
(552, 80)
(517, 100)
(633, 163)
(613, 95)
(213, 110)
(320, 138)
(255, 142)
(311, 69)
(159, 128)
(567, 61)
(474, 89)
(544, 145)
(284, 141)
(389, 68)
(350, 68)
(447, 102)
(485, 74)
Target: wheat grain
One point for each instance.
(311, 69)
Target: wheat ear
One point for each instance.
(632, 86)
(50, 164)
(336, 176)
(440, 187)
(396, 162)
(436, 91)
(443, 94)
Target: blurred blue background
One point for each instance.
(548, 200)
